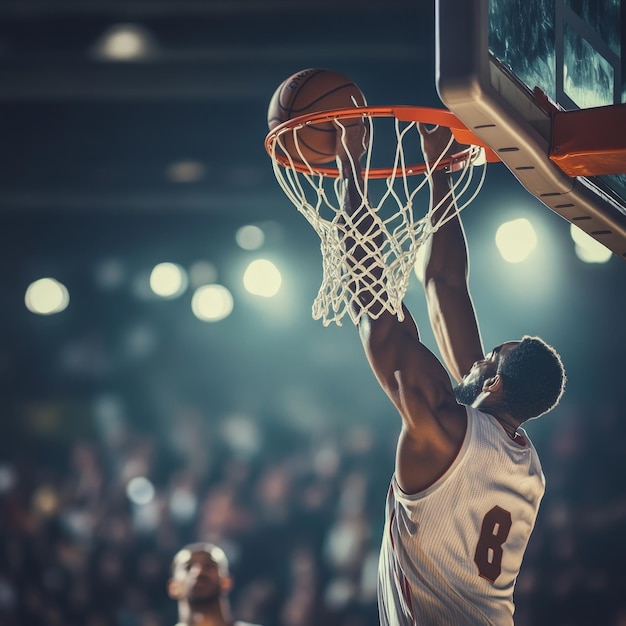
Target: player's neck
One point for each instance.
(508, 423)
(510, 430)
(217, 614)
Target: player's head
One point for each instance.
(533, 378)
(199, 574)
(531, 374)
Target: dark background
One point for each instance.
(274, 422)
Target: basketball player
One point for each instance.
(467, 484)
(200, 583)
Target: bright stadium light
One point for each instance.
(516, 240)
(46, 296)
(168, 280)
(212, 303)
(124, 42)
(588, 249)
(262, 278)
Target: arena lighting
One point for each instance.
(250, 237)
(46, 296)
(587, 248)
(140, 490)
(168, 280)
(516, 240)
(262, 278)
(212, 303)
(186, 172)
(124, 42)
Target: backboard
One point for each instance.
(514, 70)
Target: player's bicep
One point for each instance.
(422, 388)
(455, 326)
(408, 371)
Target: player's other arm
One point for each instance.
(432, 422)
(446, 272)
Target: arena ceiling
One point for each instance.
(82, 132)
(161, 157)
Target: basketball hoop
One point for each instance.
(389, 196)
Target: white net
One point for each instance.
(380, 258)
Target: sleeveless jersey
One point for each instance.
(450, 554)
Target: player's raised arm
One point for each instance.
(446, 273)
(410, 374)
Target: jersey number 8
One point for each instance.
(494, 532)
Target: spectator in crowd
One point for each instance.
(200, 583)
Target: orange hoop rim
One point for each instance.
(403, 113)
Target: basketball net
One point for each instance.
(393, 203)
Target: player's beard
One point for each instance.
(205, 597)
(467, 391)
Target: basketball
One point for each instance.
(310, 91)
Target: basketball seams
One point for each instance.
(305, 92)
(312, 103)
(313, 129)
(297, 91)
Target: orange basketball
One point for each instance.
(310, 91)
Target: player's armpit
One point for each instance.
(428, 448)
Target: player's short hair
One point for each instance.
(215, 552)
(534, 378)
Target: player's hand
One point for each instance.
(352, 138)
(435, 140)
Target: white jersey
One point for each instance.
(451, 553)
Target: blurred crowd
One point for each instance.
(90, 523)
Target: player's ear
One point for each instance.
(493, 384)
(226, 583)
(173, 589)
